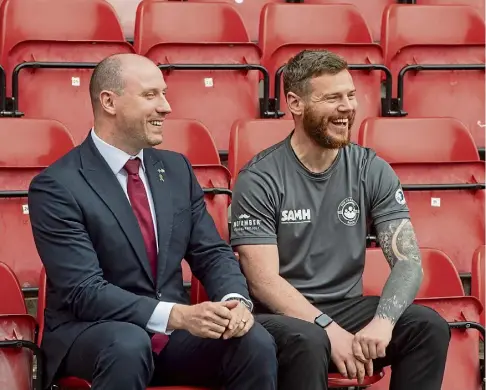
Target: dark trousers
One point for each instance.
(417, 352)
(118, 356)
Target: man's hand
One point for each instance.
(371, 341)
(343, 357)
(241, 320)
(206, 320)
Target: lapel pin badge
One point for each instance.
(161, 172)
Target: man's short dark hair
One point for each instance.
(307, 65)
(107, 75)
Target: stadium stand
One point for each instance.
(48, 49)
(336, 27)
(222, 62)
(207, 56)
(448, 299)
(439, 167)
(27, 146)
(438, 68)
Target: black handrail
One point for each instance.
(417, 67)
(265, 113)
(218, 191)
(370, 67)
(17, 344)
(42, 65)
(444, 187)
(469, 325)
(14, 194)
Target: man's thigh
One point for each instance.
(195, 361)
(352, 314)
(103, 343)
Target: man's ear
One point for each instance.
(295, 104)
(107, 101)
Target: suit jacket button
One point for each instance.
(159, 295)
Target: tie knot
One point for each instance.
(132, 166)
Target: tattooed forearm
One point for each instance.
(397, 240)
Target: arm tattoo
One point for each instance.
(397, 240)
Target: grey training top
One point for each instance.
(319, 221)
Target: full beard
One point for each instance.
(317, 128)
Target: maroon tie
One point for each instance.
(140, 205)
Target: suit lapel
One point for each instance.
(102, 180)
(159, 182)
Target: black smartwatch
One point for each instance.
(323, 321)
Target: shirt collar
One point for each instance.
(115, 157)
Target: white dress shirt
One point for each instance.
(116, 160)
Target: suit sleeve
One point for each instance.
(387, 200)
(71, 262)
(211, 259)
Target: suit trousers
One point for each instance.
(118, 356)
(417, 352)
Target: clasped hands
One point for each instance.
(218, 319)
(353, 355)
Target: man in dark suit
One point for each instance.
(112, 221)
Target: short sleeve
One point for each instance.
(387, 200)
(253, 211)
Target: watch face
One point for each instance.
(323, 320)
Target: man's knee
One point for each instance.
(130, 350)
(297, 337)
(258, 348)
(434, 329)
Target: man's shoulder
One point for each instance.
(268, 160)
(65, 168)
(360, 156)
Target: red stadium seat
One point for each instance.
(249, 138)
(446, 203)
(372, 11)
(62, 32)
(478, 5)
(442, 291)
(27, 146)
(440, 276)
(337, 27)
(192, 139)
(179, 35)
(249, 10)
(416, 46)
(17, 337)
(215, 182)
(435, 185)
(477, 278)
(413, 140)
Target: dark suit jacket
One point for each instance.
(92, 248)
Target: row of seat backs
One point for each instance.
(447, 298)
(422, 151)
(177, 33)
(372, 11)
(165, 22)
